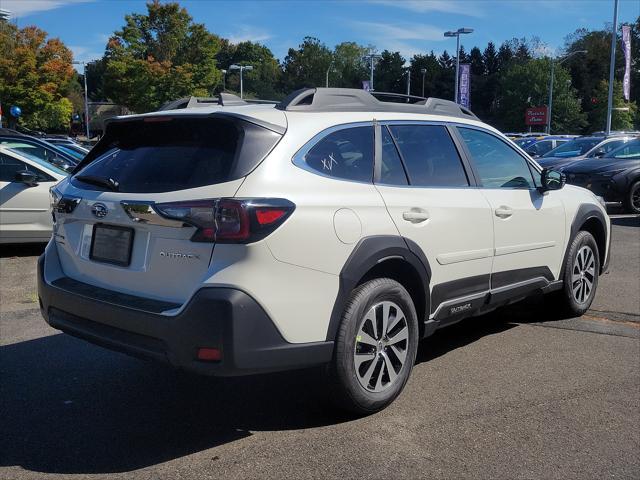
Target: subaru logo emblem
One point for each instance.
(100, 210)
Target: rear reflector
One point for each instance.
(209, 354)
(266, 216)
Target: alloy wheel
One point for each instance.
(583, 275)
(381, 348)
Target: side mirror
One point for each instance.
(552, 180)
(28, 178)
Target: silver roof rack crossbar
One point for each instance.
(354, 100)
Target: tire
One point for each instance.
(632, 200)
(377, 350)
(581, 270)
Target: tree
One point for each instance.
(490, 59)
(348, 69)
(430, 64)
(527, 84)
(260, 82)
(307, 65)
(389, 73)
(36, 75)
(160, 57)
(620, 119)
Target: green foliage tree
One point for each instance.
(622, 119)
(159, 57)
(36, 75)
(389, 73)
(348, 69)
(260, 82)
(527, 84)
(307, 65)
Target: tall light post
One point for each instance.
(553, 63)
(612, 64)
(372, 57)
(423, 71)
(86, 98)
(408, 71)
(457, 33)
(224, 80)
(242, 68)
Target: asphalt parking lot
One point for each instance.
(519, 393)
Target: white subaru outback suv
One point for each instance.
(331, 229)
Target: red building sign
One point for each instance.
(536, 116)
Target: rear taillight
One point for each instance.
(229, 220)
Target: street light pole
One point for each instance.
(408, 82)
(457, 33)
(86, 98)
(423, 71)
(224, 80)
(612, 64)
(372, 57)
(242, 68)
(553, 64)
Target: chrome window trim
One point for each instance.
(299, 157)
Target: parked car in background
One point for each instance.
(581, 148)
(25, 214)
(539, 146)
(615, 177)
(36, 147)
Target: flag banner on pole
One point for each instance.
(626, 47)
(464, 92)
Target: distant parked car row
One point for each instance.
(29, 166)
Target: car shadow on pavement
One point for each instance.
(22, 250)
(70, 407)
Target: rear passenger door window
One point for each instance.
(498, 165)
(346, 154)
(429, 155)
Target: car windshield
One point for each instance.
(629, 151)
(48, 157)
(574, 148)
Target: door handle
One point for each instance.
(503, 211)
(415, 216)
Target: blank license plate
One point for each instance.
(111, 244)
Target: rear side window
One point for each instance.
(346, 154)
(169, 154)
(498, 165)
(430, 156)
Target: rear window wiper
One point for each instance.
(109, 183)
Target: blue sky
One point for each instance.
(410, 26)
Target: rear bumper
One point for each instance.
(224, 318)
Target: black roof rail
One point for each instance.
(355, 100)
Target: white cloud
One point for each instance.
(467, 8)
(24, 8)
(248, 33)
(403, 31)
(83, 54)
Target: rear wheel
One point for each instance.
(375, 347)
(582, 267)
(632, 202)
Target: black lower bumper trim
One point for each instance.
(224, 318)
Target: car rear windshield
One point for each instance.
(163, 154)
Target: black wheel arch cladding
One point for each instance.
(366, 256)
(591, 217)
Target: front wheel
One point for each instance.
(582, 267)
(632, 202)
(375, 347)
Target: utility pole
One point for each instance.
(86, 98)
(372, 57)
(423, 71)
(612, 64)
(408, 82)
(457, 33)
(241, 68)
